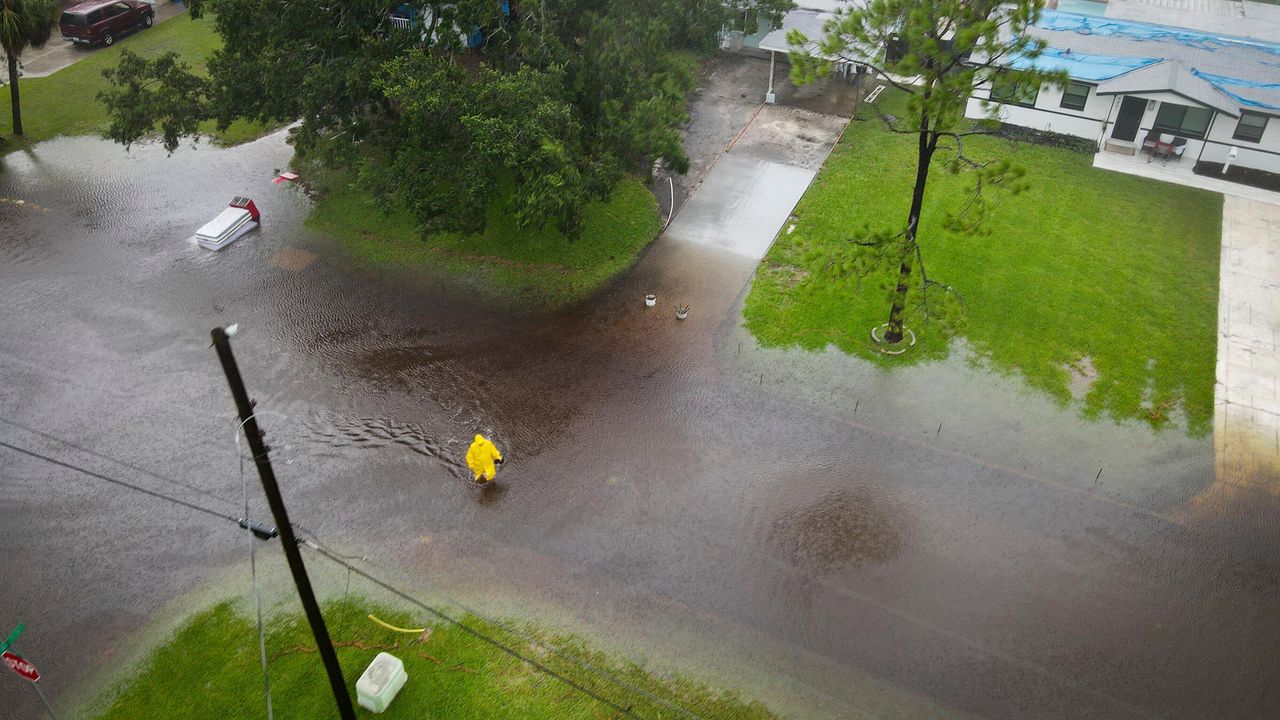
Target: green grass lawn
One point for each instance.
(210, 669)
(65, 103)
(1110, 273)
(503, 262)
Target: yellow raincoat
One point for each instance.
(481, 457)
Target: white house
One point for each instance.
(810, 17)
(1214, 95)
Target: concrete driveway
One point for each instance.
(1247, 405)
(751, 190)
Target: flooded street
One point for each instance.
(835, 539)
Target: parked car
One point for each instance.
(102, 21)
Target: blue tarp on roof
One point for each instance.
(1222, 82)
(1237, 68)
(1129, 30)
(1083, 67)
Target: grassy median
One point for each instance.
(1095, 287)
(502, 262)
(210, 669)
(65, 103)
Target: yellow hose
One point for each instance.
(393, 627)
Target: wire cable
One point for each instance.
(624, 710)
(122, 463)
(600, 672)
(394, 628)
(319, 547)
(253, 572)
(552, 649)
(122, 483)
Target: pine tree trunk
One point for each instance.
(13, 93)
(924, 156)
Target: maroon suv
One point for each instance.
(103, 21)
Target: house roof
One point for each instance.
(1226, 72)
(829, 6)
(1225, 17)
(1170, 76)
(809, 22)
(810, 17)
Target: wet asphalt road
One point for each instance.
(841, 541)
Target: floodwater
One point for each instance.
(836, 539)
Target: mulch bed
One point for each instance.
(1243, 175)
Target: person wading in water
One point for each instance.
(483, 458)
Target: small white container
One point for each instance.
(380, 682)
(650, 300)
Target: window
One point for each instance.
(1250, 127)
(1075, 95)
(1183, 120)
(1006, 90)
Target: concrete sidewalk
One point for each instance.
(1246, 397)
(1179, 174)
(59, 53)
(1246, 394)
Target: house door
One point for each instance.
(1130, 117)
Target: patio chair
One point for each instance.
(1149, 143)
(1163, 147)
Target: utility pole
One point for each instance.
(222, 342)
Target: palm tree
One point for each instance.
(24, 24)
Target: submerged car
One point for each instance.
(97, 21)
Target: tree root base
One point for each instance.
(898, 348)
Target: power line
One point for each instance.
(625, 710)
(579, 662)
(260, 531)
(288, 542)
(122, 463)
(599, 672)
(318, 546)
(257, 591)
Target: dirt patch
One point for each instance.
(1081, 376)
(791, 136)
(292, 259)
(843, 528)
(835, 94)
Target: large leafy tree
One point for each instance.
(24, 24)
(459, 141)
(561, 100)
(570, 98)
(937, 51)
